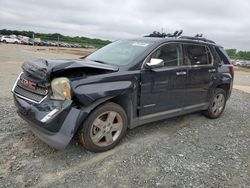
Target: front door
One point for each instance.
(163, 88)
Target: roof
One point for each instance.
(179, 39)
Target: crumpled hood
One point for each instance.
(41, 69)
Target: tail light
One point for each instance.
(231, 69)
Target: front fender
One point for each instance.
(89, 93)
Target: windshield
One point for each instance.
(119, 52)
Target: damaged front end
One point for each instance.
(43, 97)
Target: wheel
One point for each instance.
(104, 128)
(4, 41)
(217, 104)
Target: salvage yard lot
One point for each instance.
(188, 151)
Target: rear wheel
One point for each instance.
(217, 104)
(104, 128)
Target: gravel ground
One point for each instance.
(188, 151)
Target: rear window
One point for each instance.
(197, 54)
(223, 55)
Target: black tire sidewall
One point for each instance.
(85, 130)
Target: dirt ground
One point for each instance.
(188, 151)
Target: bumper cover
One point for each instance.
(54, 127)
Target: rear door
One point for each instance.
(164, 88)
(201, 74)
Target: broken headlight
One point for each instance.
(61, 89)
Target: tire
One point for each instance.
(217, 104)
(4, 41)
(104, 128)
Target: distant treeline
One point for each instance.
(54, 37)
(234, 54)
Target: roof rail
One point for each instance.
(197, 38)
(177, 34)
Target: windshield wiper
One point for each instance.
(98, 61)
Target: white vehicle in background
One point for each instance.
(23, 39)
(8, 39)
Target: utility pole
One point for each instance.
(57, 43)
(33, 39)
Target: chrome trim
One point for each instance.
(181, 73)
(149, 105)
(25, 98)
(149, 116)
(162, 113)
(49, 115)
(18, 78)
(182, 66)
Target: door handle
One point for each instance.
(211, 70)
(181, 73)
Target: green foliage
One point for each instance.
(234, 54)
(231, 52)
(54, 37)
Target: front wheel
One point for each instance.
(217, 104)
(104, 128)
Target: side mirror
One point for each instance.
(154, 63)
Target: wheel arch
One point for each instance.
(225, 87)
(125, 102)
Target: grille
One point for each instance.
(36, 95)
(38, 90)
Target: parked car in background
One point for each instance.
(23, 39)
(8, 39)
(44, 43)
(53, 44)
(62, 44)
(241, 63)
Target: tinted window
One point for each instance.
(197, 55)
(169, 53)
(223, 55)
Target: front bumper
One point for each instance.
(54, 122)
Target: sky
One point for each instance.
(227, 22)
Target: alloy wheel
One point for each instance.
(218, 104)
(106, 128)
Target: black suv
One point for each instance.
(122, 85)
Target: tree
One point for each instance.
(231, 52)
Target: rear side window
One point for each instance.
(223, 55)
(197, 55)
